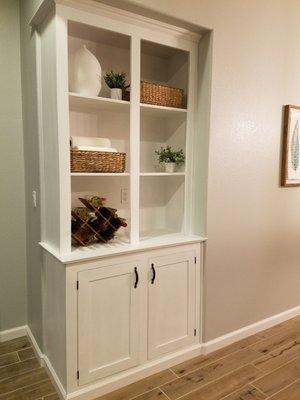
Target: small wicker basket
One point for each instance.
(97, 161)
(161, 95)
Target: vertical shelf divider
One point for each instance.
(135, 65)
(190, 127)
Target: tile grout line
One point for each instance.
(279, 391)
(164, 393)
(174, 373)
(218, 359)
(216, 379)
(146, 391)
(24, 387)
(23, 372)
(14, 363)
(259, 390)
(295, 342)
(236, 391)
(236, 369)
(275, 369)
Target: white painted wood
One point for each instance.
(63, 131)
(134, 138)
(161, 111)
(54, 314)
(161, 205)
(138, 338)
(47, 68)
(149, 242)
(162, 174)
(117, 20)
(108, 320)
(13, 333)
(190, 150)
(172, 306)
(81, 102)
(98, 174)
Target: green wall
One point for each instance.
(13, 297)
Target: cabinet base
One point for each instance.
(107, 385)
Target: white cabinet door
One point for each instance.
(172, 308)
(108, 320)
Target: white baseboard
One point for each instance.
(46, 363)
(249, 330)
(14, 333)
(130, 376)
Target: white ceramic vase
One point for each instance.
(116, 94)
(85, 73)
(170, 167)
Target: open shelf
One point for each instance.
(80, 102)
(165, 65)
(99, 174)
(112, 49)
(104, 186)
(161, 111)
(162, 174)
(161, 206)
(157, 132)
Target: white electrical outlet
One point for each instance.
(124, 196)
(34, 198)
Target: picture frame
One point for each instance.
(290, 173)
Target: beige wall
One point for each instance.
(252, 265)
(13, 307)
(253, 252)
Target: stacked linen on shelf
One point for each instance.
(87, 143)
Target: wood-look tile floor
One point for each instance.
(21, 376)
(263, 366)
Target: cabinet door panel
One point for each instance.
(171, 320)
(108, 321)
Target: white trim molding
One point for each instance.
(249, 330)
(130, 376)
(14, 333)
(46, 363)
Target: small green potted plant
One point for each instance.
(170, 158)
(116, 81)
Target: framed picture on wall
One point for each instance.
(291, 147)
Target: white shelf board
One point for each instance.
(161, 111)
(162, 174)
(117, 247)
(81, 102)
(99, 174)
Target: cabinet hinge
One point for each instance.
(195, 332)
(195, 260)
(77, 374)
(77, 285)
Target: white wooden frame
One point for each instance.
(61, 266)
(86, 12)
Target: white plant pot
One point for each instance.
(84, 73)
(170, 167)
(116, 94)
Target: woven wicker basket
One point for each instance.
(97, 161)
(161, 95)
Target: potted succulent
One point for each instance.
(116, 81)
(170, 158)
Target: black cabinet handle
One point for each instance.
(153, 274)
(136, 277)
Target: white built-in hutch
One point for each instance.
(117, 312)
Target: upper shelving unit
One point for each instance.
(159, 206)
